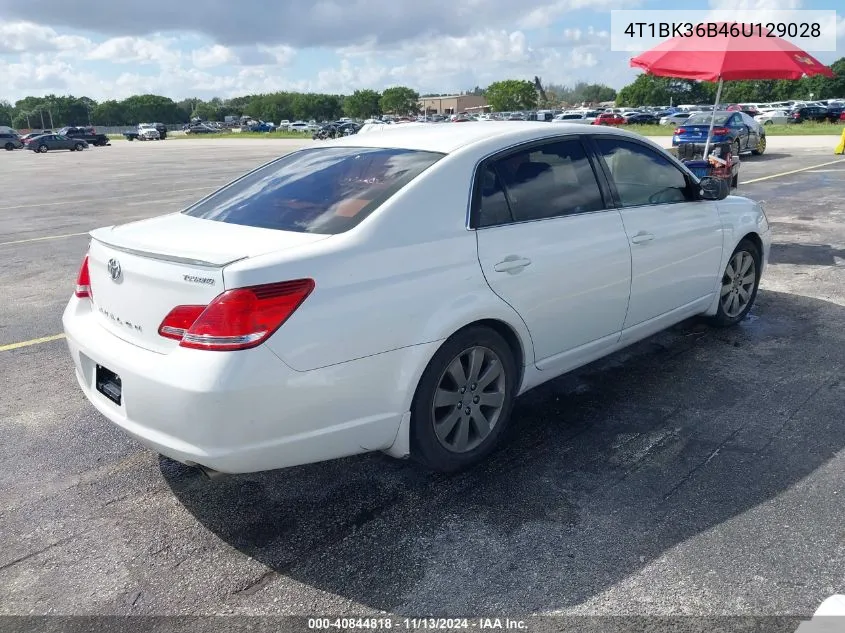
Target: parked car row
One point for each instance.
(69, 138)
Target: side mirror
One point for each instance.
(713, 188)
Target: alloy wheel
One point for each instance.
(469, 399)
(738, 283)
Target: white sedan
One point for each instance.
(779, 117)
(580, 118)
(395, 291)
(675, 119)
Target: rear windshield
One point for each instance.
(703, 118)
(325, 190)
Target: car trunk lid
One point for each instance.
(141, 271)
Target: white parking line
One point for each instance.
(123, 197)
(794, 171)
(41, 239)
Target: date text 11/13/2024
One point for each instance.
(416, 624)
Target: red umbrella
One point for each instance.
(729, 58)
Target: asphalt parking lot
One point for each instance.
(699, 472)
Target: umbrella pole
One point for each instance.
(713, 118)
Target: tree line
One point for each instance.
(53, 111)
(502, 96)
(650, 90)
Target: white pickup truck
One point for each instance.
(145, 132)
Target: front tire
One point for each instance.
(740, 282)
(463, 402)
(79, 147)
(9, 147)
(761, 146)
(42, 149)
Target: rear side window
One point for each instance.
(548, 181)
(325, 190)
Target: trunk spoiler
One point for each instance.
(205, 260)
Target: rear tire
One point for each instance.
(9, 147)
(79, 147)
(42, 149)
(463, 402)
(739, 285)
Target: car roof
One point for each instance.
(447, 138)
(709, 113)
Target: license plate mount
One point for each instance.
(109, 384)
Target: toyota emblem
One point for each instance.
(114, 269)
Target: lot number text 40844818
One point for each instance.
(414, 624)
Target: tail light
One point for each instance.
(240, 318)
(720, 131)
(681, 130)
(83, 281)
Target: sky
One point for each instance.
(226, 48)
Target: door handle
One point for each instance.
(512, 264)
(642, 237)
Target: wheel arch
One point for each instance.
(752, 236)
(515, 338)
(522, 353)
(507, 332)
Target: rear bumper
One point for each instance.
(700, 142)
(238, 412)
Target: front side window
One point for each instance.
(641, 175)
(551, 180)
(324, 190)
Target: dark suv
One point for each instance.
(10, 141)
(808, 113)
(834, 111)
(87, 134)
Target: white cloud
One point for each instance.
(548, 13)
(455, 63)
(27, 37)
(321, 24)
(137, 50)
(282, 54)
(213, 56)
(218, 55)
